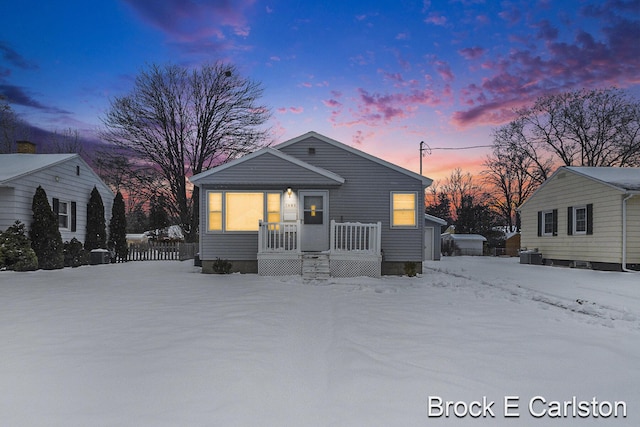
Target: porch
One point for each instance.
(354, 250)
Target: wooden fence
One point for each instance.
(161, 251)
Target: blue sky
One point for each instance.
(379, 75)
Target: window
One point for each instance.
(66, 214)
(548, 223)
(241, 211)
(273, 207)
(313, 209)
(403, 209)
(63, 215)
(214, 204)
(580, 219)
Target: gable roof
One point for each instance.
(330, 176)
(14, 166)
(426, 181)
(435, 219)
(625, 180)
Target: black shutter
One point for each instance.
(555, 222)
(540, 223)
(56, 207)
(590, 218)
(570, 220)
(73, 216)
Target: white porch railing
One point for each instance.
(355, 237)
(351, 237)
(278, 237)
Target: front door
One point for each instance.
(314, 212)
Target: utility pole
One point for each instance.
(423, 149)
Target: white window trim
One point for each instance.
(224, 208)
(415, 211)
(544, 223)
(575, 220)
(67, 215)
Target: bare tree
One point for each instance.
(186, 121)
(67, 141)
(458, 185)
(12, 128)
(510, 176)
(597, 127)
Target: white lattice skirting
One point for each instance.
(279, 266)
(355, 267)
(340, 265)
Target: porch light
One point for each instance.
(289, 191)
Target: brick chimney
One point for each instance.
(26, 147)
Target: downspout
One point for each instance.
(624, 232)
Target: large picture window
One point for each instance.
(241, 211)
(403, 209)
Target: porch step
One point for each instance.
(315, 266)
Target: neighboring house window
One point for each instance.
(241, 211)
(66, 213)
(403, 209)
(580, 219)
(548, 223)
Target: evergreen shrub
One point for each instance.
(15, 249)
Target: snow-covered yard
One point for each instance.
(158, 344)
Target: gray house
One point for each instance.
(66, 178)
(311, 203)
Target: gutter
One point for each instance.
(624, 231)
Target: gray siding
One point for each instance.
(365, 195)
(68, 187)
(267, 169)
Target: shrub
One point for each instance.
(74, 254)
(96, 226)
(411, 269)
(15, 249)
(44, 234)
(118, 230)
(221, 266)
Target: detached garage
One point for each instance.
(432, 227)
(464, 244)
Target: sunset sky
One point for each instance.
(378, 75)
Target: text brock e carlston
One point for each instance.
(537, 407)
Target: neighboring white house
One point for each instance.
(465, 244)
(585, 216)
(66, 178)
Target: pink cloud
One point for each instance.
(189, 21)
(294, 110)
(524, 75)
(472, 52)
(436, 18)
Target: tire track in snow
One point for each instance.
(606, 314)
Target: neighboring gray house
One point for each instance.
(585, 216)
(66, 178)
(311, 203)
(432, 228)
(465, 244)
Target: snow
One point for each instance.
(158, 344)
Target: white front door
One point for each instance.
(314, 213)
